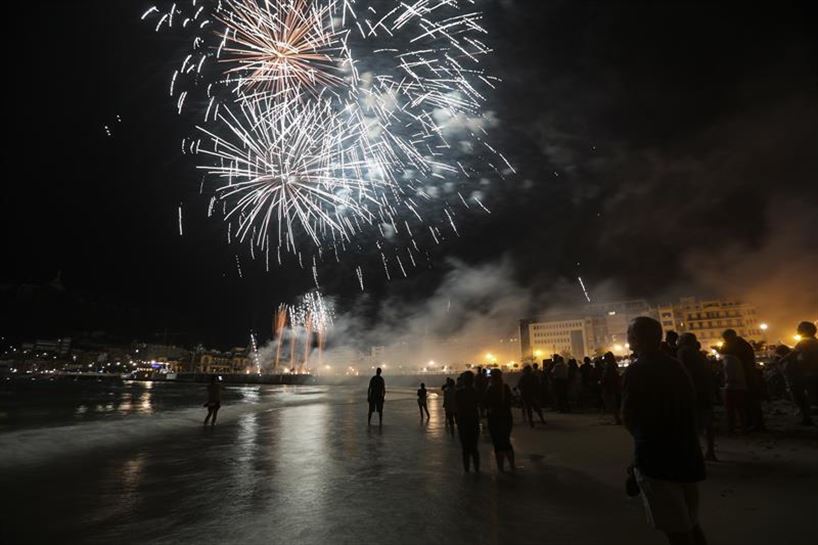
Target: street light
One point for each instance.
(763, 327)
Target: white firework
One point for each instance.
(311, 139)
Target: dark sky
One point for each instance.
(658, 144)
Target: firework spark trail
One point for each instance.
(309, 141)
(360, 275)
(582, 285)
(306, 325)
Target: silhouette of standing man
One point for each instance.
(375, 396)
(214, 400)
(659, 409)
(422, 401)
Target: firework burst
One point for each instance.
(307, 140)
(282, 49)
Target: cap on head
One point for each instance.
(806, 329)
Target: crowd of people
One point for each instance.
(665, 398)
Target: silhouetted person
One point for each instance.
(671, 343)
(611, 386)
(698, 367)
(214, 400)
(449, 405)
(498, 408)
(423, 405)
(559, 377)
(375, 396)
(529, 392)
(545, 383)
(574, 383)
(596, 383)
(735, 392)
(737, 346)
(586, 371)
(659, 408)
(802, 370)
(480, 384)
(468, 420)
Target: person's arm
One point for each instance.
(630, 399)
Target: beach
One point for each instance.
(298, 464)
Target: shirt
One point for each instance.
(498, 401)
(659, 403)
(807, 350)
(734, 376)
(699, 370)
(377, 388)
(528, 385)
(466, 401)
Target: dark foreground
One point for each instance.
(299, 465)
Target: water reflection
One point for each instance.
(145, 407)
(302, 454)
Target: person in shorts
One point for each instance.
(660, 411)
(375, 396)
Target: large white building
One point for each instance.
(708, 318)
(600, 327)
(593, 330)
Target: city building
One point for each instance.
(600, 327)
(708, 318)
(593, 330)
(213, 362)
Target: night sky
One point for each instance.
(661, 147)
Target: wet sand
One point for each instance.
(309, 470)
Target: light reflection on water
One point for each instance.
(145, 407)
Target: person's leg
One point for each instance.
(369, 418)
(464, 450)
(730, 409)
(698, 536)
(616, 411)
(215, 414)
(679, 538)
(510, 456)
(475, 456)
(539, 413)
(426, 408)
(707, 429)
(499, 459)
(380, 415)
(209, 414)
